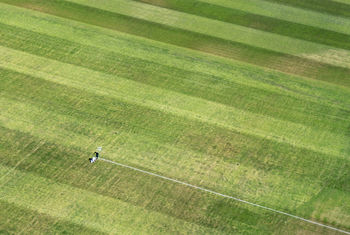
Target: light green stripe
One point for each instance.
(211, 27)
(84, 207)
(288, 13)
(342, 1)
(199, 169)
(175, 57)
(174, 103)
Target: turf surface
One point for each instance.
(255, 21)
(268, 124)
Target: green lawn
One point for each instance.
(189, 39)
(255, 21)
(206, 102)
(302, 16)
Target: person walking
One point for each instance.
(94, 159)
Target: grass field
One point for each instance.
(225, 95)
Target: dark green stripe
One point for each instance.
(233, 50)
(72, 168)
(18, 220)
(259, 22)
(200, 85)
(158, 127)
(324, 6)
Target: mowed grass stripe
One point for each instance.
(342, 1)
(160, 129)
(84, 75)
(119, 195)
(136, 189)
(85, 207)
(216, 46)
(50, 164)
(234, 119)
(207, 87)
(222, 30)
(16, 219)
(227, 196)
(288, 13)
(255, 21)
(46, 120)
(121, 92)
(80, 126)
(51, 153)
(176, 58)
(21, 17)
(325, 6)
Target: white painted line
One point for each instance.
(226, 196)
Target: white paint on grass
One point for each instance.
(226, 196)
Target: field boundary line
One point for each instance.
(224, 195)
